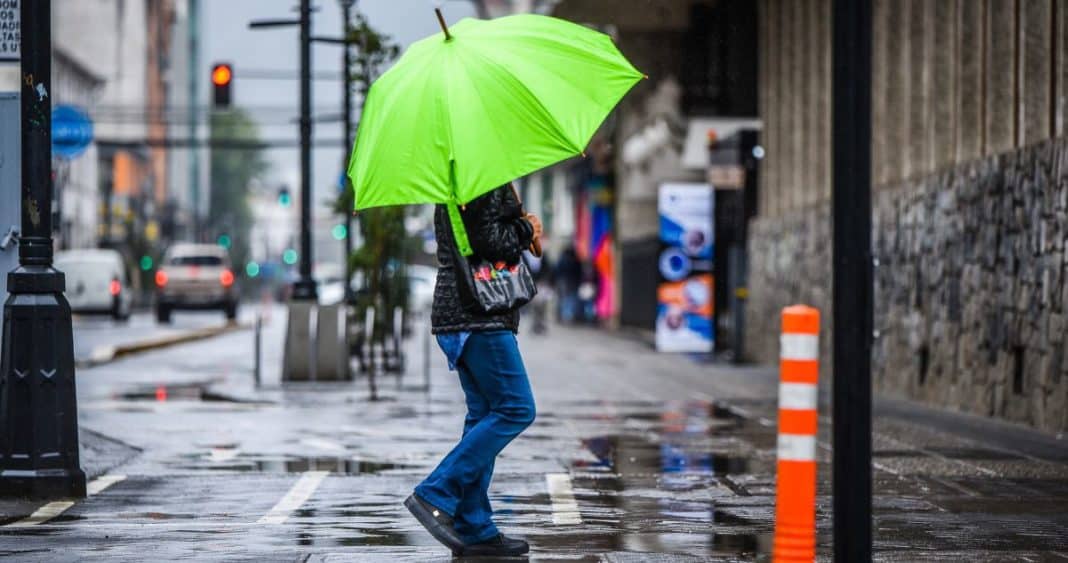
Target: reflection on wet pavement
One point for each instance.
(652, 478)
(286, 464)
(656, 484)
(200, 391)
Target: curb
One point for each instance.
(106, 354)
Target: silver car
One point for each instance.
(195, 276)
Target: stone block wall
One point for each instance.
(970, 293)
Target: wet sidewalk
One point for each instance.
(635, 456)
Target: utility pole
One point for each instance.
(299, 358)
(304, 289)
(38, 406)
(194, 90)
(852, 258)
(346, 66)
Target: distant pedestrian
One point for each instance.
(453, 501)
(568, 277)
(542, 272)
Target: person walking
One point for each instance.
(542, 274)
(568, 278)
(452, 503)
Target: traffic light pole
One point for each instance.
(304, 289)
(299, 358)
(852, 311)
(38, 406)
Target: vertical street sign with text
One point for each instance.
(9, 30)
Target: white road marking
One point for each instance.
(565, 509)
(297, 496)
(43, 514)
(55, 508)
(97, 486)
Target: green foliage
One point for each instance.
(387, 247)
(232, 172)
(373, 51)
(381, 261)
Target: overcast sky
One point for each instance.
(273, 103)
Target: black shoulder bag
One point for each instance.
(486, 287)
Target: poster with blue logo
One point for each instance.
(684, 296)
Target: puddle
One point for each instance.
(693, 417)
(634, 477)
(720, 516)
(742, 544)
(631, 454)
(198, 392)
(289, 464)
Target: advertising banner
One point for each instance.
(685, 294)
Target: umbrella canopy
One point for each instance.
(466, 111)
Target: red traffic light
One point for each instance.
(222, 74)
(222, 78)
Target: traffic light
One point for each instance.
(222, 76)
(290, 256)
(340, 231)
(284, 199)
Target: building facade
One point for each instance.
(77, 200)
(700, 56)
(970, 196)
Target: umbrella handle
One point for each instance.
(535, 244)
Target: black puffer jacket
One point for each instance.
(497, 232)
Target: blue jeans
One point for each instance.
(500, 405)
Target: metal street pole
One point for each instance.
(194, 90)
(346, 64)
(304, 289)
(38, 404)
(852, 312)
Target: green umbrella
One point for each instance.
(483, 103)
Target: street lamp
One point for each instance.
(38, 406)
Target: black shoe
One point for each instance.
(499, 546)
(436, 521)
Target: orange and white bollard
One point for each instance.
(795, 498)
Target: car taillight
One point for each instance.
(226, 278)
(115, 287)
(161, 278)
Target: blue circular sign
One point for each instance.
(72, 131)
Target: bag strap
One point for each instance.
(458, 231)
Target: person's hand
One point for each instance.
(535, 223)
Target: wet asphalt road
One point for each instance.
(635, 456)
